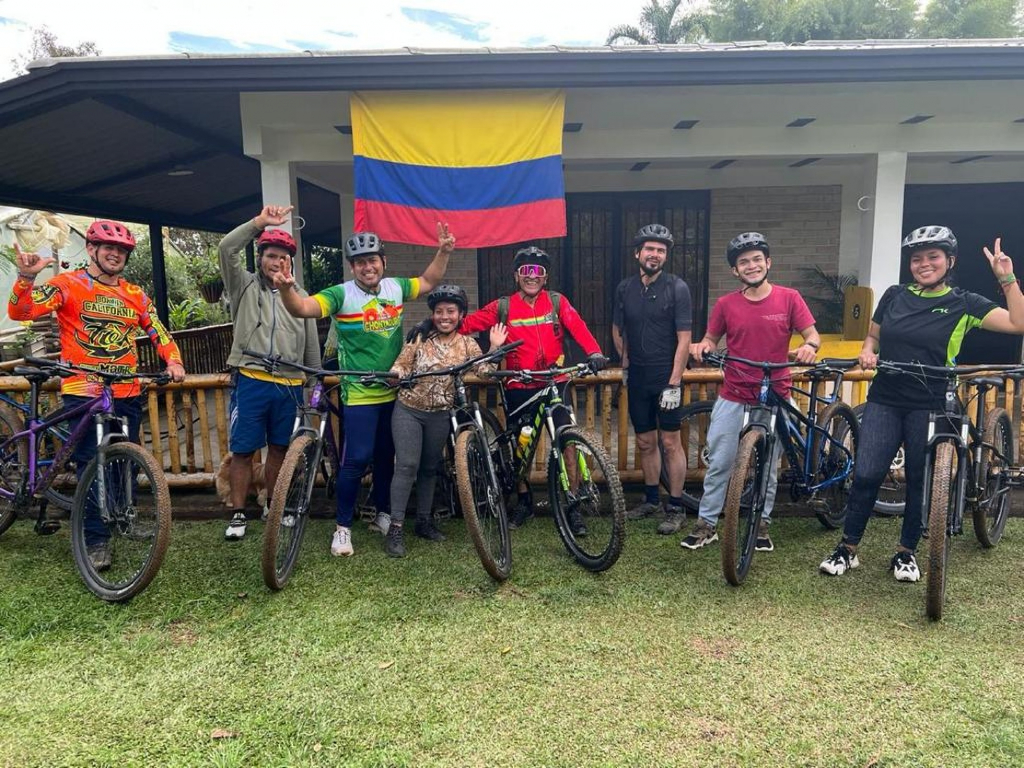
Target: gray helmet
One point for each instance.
(930, 237)
(531, 255)
(363, 244)
(655, 232)
(453, 294)
(748, 241)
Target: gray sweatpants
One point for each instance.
(419, 442)
(723, 442)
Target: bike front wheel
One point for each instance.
(483, 504)
(943, 502)
(289, 512)
(13, 467)
(835, 448)
(744, 503)
(992, 506)
(587, 500)
(126, 506)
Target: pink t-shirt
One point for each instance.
(758, 330)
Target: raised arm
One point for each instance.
(296, 304)
(27, 302)
(1011, 319)
(434, 272)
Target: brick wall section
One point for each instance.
(411, 260)
(801, 224)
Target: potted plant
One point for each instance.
(204, 269)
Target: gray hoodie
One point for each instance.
(262, 324)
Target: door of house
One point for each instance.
(597, 253)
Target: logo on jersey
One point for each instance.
(941, 310)
(381, 316)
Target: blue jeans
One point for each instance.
(129, 408)
(367, 437)
(882, 430)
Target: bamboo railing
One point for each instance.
(185, 425)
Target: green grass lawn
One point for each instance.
(424, 661)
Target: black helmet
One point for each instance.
(930, 237)
(655, 232)
(748, 241)
(363, 244)
(450, 293)
(531, 255)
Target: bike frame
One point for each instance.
(781, 420)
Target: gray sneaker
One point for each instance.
(701, 535)
(645, 509)
(394, 541)
(99, 555)
(674, 519)
(764, 540)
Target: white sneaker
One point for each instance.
(341, 544)
(839, 562)
(904, 567)
(381, 523)
(236, 528)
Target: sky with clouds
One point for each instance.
(147, 27)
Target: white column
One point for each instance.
(280, 187)
(885, 176)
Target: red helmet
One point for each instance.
(278, 238)
(106, 232)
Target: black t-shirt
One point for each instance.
(649, 317)
(924, 328)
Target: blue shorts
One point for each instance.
(261, 412)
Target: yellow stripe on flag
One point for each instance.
(457, 129)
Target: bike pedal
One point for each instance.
(46, 527)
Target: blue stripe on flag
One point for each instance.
(459, 189)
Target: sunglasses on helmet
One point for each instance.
(532, 270)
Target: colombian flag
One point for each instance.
(487, 162)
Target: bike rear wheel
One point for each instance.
(13, 467)
(744, 503)
(943, 501)
(693, 433)
(483, 504)
(833, 462)
(587, 500)
(289, 512)
(892, 493)
(137, 528)
(992, 507)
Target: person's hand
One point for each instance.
(671, 398)
(867, 360)
(176, 371)
(420, 331)
(283, 279)
(698, 350)
(805, 353)
(272, 216)
(597, 361)
(31, 264)
(445, 239)
(498, 335)
(1002, 266)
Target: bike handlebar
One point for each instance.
(949, 372)
(42, 365)
(719, 359)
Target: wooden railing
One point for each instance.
(186, 425)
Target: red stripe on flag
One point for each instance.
(472, 229)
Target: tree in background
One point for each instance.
(796, 21)
(970, 18)
(44, 45)
(665, 24)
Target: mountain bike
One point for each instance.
(121, 498)
(968, 463)
(820, 449)
(583, 482)
(892, 494)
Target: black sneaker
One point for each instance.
(426, 529)
(904, 567)
(576, 523)
(99, 555)
(764, 540)
(394, 541)
(520, 515)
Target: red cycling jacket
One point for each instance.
(535, 326)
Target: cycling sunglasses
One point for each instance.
(532, 270)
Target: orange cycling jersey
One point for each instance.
(98, 326)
